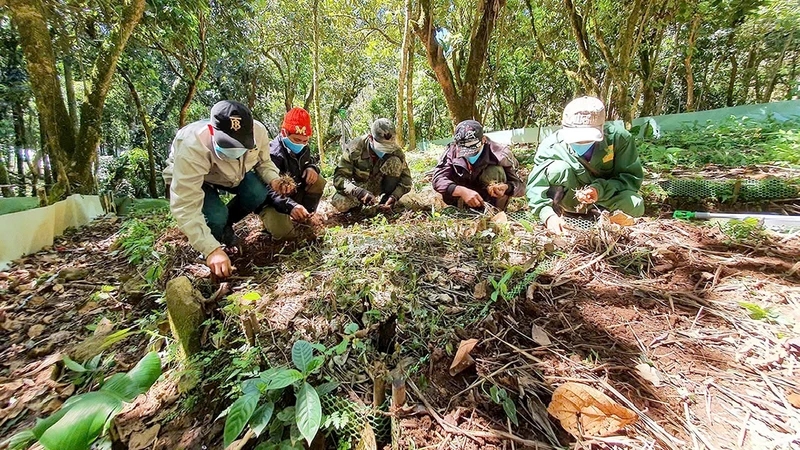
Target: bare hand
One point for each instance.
(555, 224)
(386, 207)
(587, 195)
(470, 197)
(299, 213)
(280, 188)
(311, 176)
(219, 263)
(497, 190)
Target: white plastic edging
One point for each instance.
(27, 232)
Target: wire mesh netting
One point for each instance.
(352, 417)
(731, 190)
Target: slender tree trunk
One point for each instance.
(20, 141)
(773, 79)
(668, 78)
(792, 72)
(687, 63)
(318, 132)
(412, 133)
(708, 80)
(732, 80)
(69, 84)
(195, 77)
(401, 80)
(748, 74)
(145, 119)
(5, 181)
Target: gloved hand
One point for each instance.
(363, 195)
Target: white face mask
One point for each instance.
(382, 148)
(230, 153)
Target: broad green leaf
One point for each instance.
(326, 388)
(261, 417)
(351, 328)
(315, 364)
(72, 365)
(302, 354)
(238, 415)
(251, 296)
(511, 410)
(341, 347)
(82, 423)
(308, 412)
(281, 378)
(19, 441)
(252, 385)
(137, 381)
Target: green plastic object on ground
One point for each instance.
(772, 221)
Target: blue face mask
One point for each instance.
(473, 159)
(230, 153)
(295, 148)
(379, 153)
(581, 149)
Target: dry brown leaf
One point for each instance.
(500, 218)
(583, 410)
(104, 327)
(620, 218)
(649, 373)
(140, 441)
(540, 336)
(794, 399)
(481, 290)
(462, 359)
(35, 331)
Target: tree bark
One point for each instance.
(773, 79)
(732, 81)
(748, 74)
(5, 181)
(69, 84)
(460, 92)
(792, 73)
(195, 77)
(317, 130)
(401, 79)
(668, 78)
(20, 145)
(687, 63)
(412, 133)
(143, 117)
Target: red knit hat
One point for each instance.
(297, 121)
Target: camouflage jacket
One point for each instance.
(358, 165)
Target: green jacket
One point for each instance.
(359, 165)
(615, 159)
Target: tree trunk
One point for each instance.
(401, 79)
(792, 72)
(460, 93)
(748, 74)
(668, 78)
(75, 156)
(687, 63)
(69, 84)
(773, 79)
(320, 148)
(5, 181)
(412, 133)
(732, 81)
(20, 144)
(143, 117)
(195, 77)
(708, 79)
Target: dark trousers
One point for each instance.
(250, 194)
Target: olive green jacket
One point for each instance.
(615, 161)
(358, 165)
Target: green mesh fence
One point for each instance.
(354, 417)
(731, 190)
(583, 222)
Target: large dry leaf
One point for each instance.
(367, 440)
(794, 399)
(462, 359)
(540, 336)
(144, 439)
(481, 290)
(583, 410)
(620, 218)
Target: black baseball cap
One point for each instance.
(468, 137)
(233, 125)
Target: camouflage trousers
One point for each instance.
(392, 167)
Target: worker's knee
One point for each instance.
(252, 192)
(493, 175)
(318, 187)
(216, 214)
(392, 167)
(629, 202)
(279, 225)
(344, 203)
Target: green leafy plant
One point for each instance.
(261, 395)
(500, 397)
(85, 417)
(90, 371)
(744, 231)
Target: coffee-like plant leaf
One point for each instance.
(239, 414)
(308, 412)
(302, 355)
(137, 381)
(281, 378)
(261, 418)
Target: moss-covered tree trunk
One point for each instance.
(74, 153)
(5, 181)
